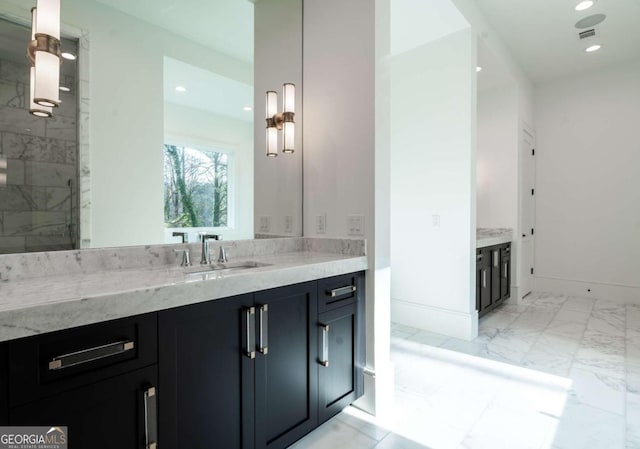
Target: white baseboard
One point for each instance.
(435, 319)
(584, 289)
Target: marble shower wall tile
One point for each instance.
(13, 94)
(12, 71)
(18, 120)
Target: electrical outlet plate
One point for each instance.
(265, 224)
(355, 225)
(288, 224)
(321, 224)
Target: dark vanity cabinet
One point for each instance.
(340, 349)
(493, 276)
(259, 370)
(99, 381)
(4, 385)
(207, 375)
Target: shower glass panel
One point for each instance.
(39, 197)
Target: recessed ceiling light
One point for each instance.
(478, 68)
(248, 108)
(69, 56)
(592, 48)
(64, 89)
(181, 89)
(585, 4)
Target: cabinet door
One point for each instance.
(105, 415)
(4, 385)
(286, 382)
(496, 294)
(205, 378)
(341, 360)
(484, 281)
(505, 272)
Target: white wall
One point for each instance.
(588, 171)
(433, 140)
(497, 158)
(278, 60)
(200, 128)
(344, 84)
(492, 41)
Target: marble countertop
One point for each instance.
(50, 303)
(493, 236)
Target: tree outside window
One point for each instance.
(196, 186)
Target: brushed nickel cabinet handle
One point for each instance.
(495, 258)
(342, 291)
(484, 278)
(90, 355)
(505, 269)
(250, 342)
(151, 418)
(263, 326)
(324, 360)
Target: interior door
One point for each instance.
(528, 212)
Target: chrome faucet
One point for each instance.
(206, 254)
(222, 255)
(186, 257)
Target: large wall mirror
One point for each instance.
(161, 128)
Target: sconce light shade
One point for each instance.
(272, 130)
(46, 91)
(288, 109)
(3, 180)
(48, 18)
(35, 108)
(44, 53)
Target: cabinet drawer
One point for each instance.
(45, 365)
(339, 291)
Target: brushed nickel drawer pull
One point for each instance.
(250, 334)
(263, 326)
(324, 361)
(342, 291)
(90, 355)
(151, 418)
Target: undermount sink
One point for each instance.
(224, 267)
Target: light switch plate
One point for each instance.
(355, 225)
(288, 224)
(321, 224)
(265, 224)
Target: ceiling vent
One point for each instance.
(586, 34)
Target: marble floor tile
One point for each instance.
(335, 434)
(464, 346)
(569, 329)
(402, 331)
(395, 441)
(582, 426)
(598, 389)
(428, 338)
(363, 422)
(633, 421)
(580, 304)
(573, 316)
(497, 320)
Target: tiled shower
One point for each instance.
(39, 201)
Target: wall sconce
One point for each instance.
(284, 120)
(44, 53)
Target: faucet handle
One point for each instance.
(186, 256)
(222, 255)
(206, 236)
(184, 235)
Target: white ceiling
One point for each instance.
(223, 25)
(206, 90)
(541, 34)
(416, 22)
